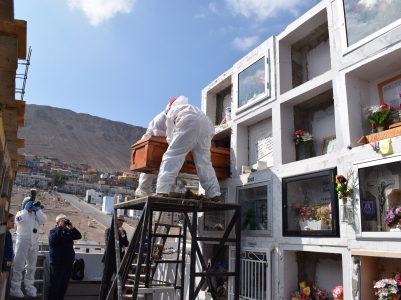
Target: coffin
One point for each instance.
(147, 156)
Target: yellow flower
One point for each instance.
(294, 298)
(302, 285)
(306, 291)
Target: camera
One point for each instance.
(33, 195)
(67, 222)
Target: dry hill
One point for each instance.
(78, 138)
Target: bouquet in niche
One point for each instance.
(301, 136)
(388, 288)
(309, 291)
(379, 114)
(393, 216)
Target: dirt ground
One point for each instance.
(52, 208)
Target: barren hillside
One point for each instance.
(78, 138)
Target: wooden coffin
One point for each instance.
(147, 156)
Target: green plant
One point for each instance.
(250, 219)
(379, 115)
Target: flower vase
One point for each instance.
(380, 128)
(310, 225)
(304, 150)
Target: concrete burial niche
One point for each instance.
(147, 156)
(323, 269)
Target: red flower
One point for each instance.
(384, 105)
(309, 282)
(399, 105)
(391, 108)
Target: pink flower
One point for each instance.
(338, 292)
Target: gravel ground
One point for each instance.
(53, 206)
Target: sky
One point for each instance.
(123, 60)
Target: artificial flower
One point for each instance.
(344, 186)
(378, 115)
(301, 136)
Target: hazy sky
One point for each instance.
(124, 60)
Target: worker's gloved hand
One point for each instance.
(28, 205)
(36, 208)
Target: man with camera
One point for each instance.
(62, 256)
(27, 245)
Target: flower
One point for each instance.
(308, 291)
(338, 293)
(312, 212)
(301, 136)
(393, 216)
(379, 114)
(344, 186)
(387, 288)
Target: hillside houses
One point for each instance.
(73, 178)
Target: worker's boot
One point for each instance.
(216, 199)
(30, 290)
(15, 290)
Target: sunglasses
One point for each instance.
(121, 221)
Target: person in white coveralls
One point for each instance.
(157, 127)
(27, 245)
(187, 129)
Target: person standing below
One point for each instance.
(27, 245)
(62, 256)
(122, 235)
(7, 256)
(187, 129)
(157, 127)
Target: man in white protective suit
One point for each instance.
(187, 129)
(27, 245)
(157, 127)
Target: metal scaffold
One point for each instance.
(141, 274)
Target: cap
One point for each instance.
(176, 101)
(25, 201)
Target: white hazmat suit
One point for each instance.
(157, 127)
(187, 129)
(26, 249)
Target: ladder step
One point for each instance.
(134, 266)
(129, 297)
(155, 256)
(168, 235)
(168, 261)
(141, 276)
(155, 245)
(167, 225)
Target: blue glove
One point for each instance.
(36, 208)
(28, 205)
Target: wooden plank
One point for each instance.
(21, 157)
(396, 131)
(20, 143)
(376, 253)
(20, 105)
(7, 87)
(18, 28)
(21, 169)
(8, 53)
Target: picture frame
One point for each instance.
(389, 91)
(328, 145)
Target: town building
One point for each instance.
(318, 75)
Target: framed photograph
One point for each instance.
(328, 145)
(390, 90)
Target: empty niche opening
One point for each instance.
(310, 56)
(223, 100)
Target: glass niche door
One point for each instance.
(256, 207)
(310, 205)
